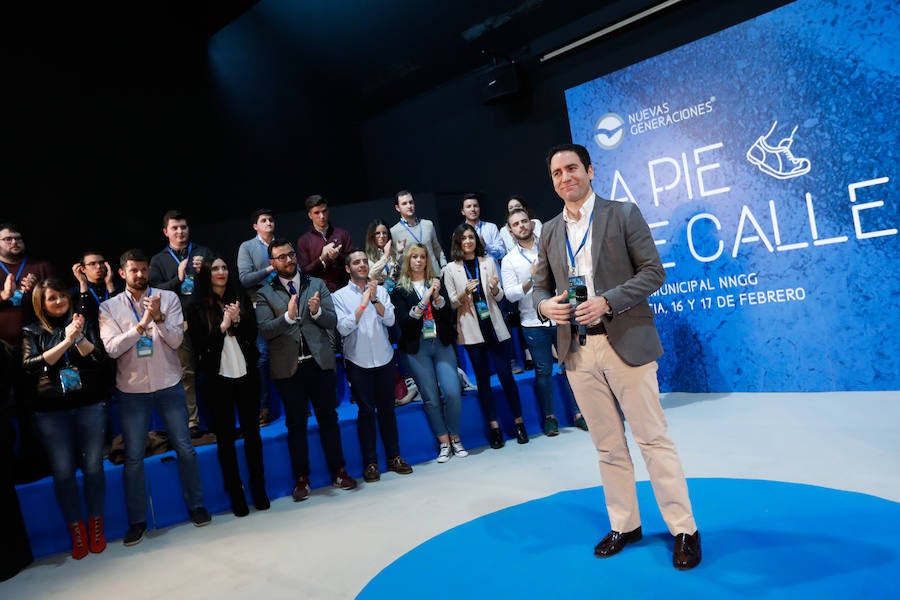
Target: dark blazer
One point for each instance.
(207, 337)
(283, 337)
(411, 328)
(626, 269)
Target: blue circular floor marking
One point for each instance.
(760, 538)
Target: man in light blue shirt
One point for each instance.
(365, 313)
(255, 269)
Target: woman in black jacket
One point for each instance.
(63, 356)
(427, 338)
(222, 326)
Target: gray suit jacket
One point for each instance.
(283, 337)
(626, 269)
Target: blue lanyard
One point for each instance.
(137, 317)
(415, 237)
(19, 272)
(96, 297)
(537, 243)
(583, 241)
(178, 262)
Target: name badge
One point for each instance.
(574, 280)
(70, 379)
(429, 331)
(482, 309)
(16, 298)
(187, 286)
(144, 346)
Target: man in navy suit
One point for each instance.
(610, 350)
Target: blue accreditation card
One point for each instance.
(574, 280)
(145, 346)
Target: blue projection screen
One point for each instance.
(765, 158)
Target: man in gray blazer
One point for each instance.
(610, 357)
(294, 312)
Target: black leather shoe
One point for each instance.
(687, 552)
(613, 542)
(301, 490)
(239, 503)
(496, 438)
(521, 434)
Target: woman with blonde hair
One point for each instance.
(63, 355)
(427, 338)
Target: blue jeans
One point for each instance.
(75, 438)
(433, 368)
(540, 342)
(265, 398)
(135, 411)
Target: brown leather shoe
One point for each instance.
(687, 552)
(371, 473)
(398, 465)
(613, 542)
(342, 480)
(301, 490)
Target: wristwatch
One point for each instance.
(375, 301)
(162, 318)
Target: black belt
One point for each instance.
(598, 329)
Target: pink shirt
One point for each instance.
(118, 330)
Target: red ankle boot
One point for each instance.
(79, 540)
(96, 539)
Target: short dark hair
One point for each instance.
(352, 252)
(134, 255)
(516, 211)
(401, 193)
(173, 215)
(578, 149)
(87, 252)
(260, 212)
(315, 200)
(277, 243)
(456, 252)
(11, 227)
(470, 196)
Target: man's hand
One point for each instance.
(557, 308)
(314, 303)
(28, 282)
(591, 311)
(293, 311)
(330, 252)
(80, 277)
(152, 310)
(9, 287)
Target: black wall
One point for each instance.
(113, 123)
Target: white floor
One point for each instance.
(331, 545)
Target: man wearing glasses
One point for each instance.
(19, 276)
(294, 312)
(95, 284)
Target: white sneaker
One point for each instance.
(444, 454)
(458, 449)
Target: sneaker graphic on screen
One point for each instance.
(777, 161)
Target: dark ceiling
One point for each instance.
(380, 52)
(371, 54)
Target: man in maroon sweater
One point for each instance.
(321, 250)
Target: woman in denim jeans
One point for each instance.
(63, 355)
(427, 338)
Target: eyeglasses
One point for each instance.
(284, 257)
(10, 239)
(95, 263)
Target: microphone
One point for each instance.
(581, 297)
